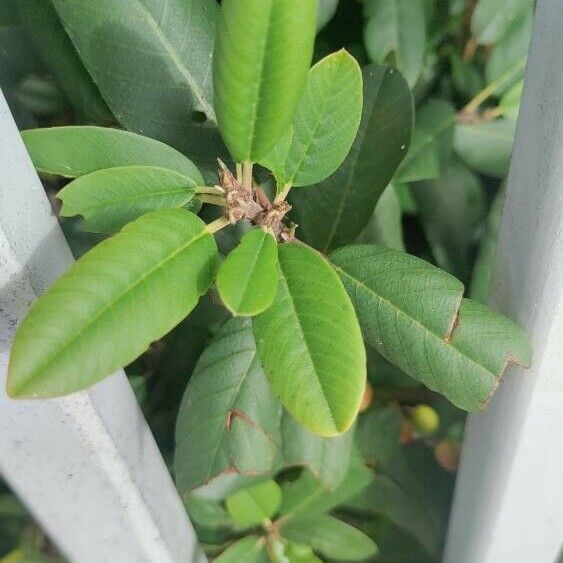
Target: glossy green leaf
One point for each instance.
(310, 344)
(252, 506)
(229, 417)
(486, 147)
(492, 18)
(260, 70)
(248, 279)
(110, 198)
(52, 44)
(152, 63)
(414, 315)
(385, 226)
(250, 549)
(325, 12)
(331, 537)
(106, 310)
(483, 270)
(325, 124)
(395, 33)
(75, 151)
(432, 143)
(335, 212)
(451, 210)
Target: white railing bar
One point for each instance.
(86, 465)
(508, 504)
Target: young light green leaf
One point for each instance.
(75, 151)
(152, 64)
(127, 292)
(250, 549)
(56, 50)
(414, 315)
(330, 537)
(486, 147)
(324, 126)
(451, 209)
(432, 143)
(248, 279)
(229, 416)
(300, 553)
(110, 198)
(492, 18)
(334, 212)
(260, 70)
(395, 32)
(252, 506)
(310, 344)
(510, 101)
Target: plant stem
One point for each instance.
(213, 200)
(283, 194)
(239, 172)
(247, 175)
(489, 90)
(217, 225)
(211, 190)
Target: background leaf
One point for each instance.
(325, 12)
(492, 18)
(252, 506)
(310, 344)
(260, 70)
(110, 198)
(247, 279)
(395, 33)
(414, 315)
(106, 310)
(324, 126)
(250, 549)
(74, 151)
(152, 64)
(335, 212)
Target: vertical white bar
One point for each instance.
(508, 504)
(86, 465)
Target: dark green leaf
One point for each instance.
(414, 314)
(254, 505)
(260, 70)
(110, 198)
(250, 549)
(247, 280)
(335, 212)
(325, 12)
(107, 309)
(310, 344)
(378, 434)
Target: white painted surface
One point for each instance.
(509, 497)
(86, 465)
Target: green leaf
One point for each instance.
(75, 151)
(262, 54)
(252, 506)
(385, 226)
(486, 147)
(510, 53)
(229, 417)
(310, 344)
(52, 44)
(432, 143)
(414, 315)
(110, 198)
(451, 210)
(492, 18)
(378, 434)
(395, 32)
(247, 280)
(330, 537)
(106, 310)
(510, 101)
(300, 553)
(152, 64)
(335, 212)
(483, 270)
(250, 549)
(324, 126)
(325, 12)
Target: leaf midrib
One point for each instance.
(109, 306)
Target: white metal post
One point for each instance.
(508, 504)
(86, 465)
